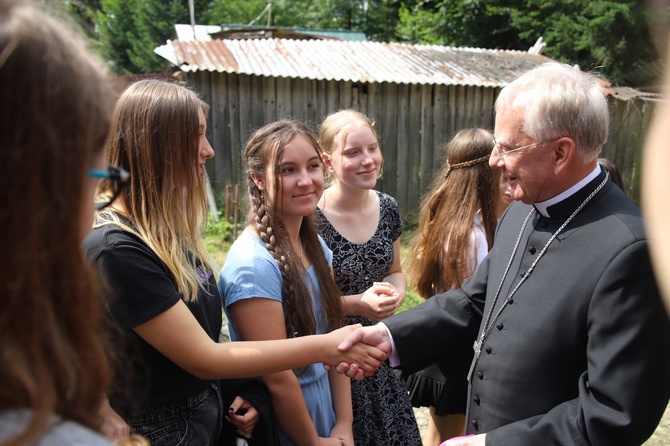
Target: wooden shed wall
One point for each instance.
(412, 121)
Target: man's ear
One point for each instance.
(259, 181)
(563, 152)
(326, 162)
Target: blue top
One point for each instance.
(59, 432)
(249, 272)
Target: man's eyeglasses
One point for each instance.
(501, 151)
(112, 181)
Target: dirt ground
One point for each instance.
(661, 436)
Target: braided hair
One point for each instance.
(464, 186)
(262, 155)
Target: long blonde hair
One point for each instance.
(464, 186)
(154, 136)
(262, 154)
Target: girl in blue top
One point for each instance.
(277, 281)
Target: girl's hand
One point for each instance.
(243, 415)
(113, 426)
(380, 301)
(343, 432)
(330, 442)
(365, 353)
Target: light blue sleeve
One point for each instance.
(326, 251)
(249, 271)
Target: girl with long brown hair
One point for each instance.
(277, 282)
(56, 109)
(456, 226)
(161, 290)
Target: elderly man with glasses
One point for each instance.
(570, 336)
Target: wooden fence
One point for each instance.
(412, 121)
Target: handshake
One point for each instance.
(357, 351)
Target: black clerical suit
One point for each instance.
(580, 354)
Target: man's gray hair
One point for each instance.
(560, 100)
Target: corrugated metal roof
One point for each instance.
(352, 61)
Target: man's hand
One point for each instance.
(375, 335)
(365, 358)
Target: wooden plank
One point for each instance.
(332, 97)
(389, 135)
(403, 147)
(311, 111)
(269, 101)
(414, 148)
(321, 106)
(463, 109)
(220, 130)
(298, 99)
(283, 97)
(236, 142)
(346, 94)
(363, 89)
(245, 113)
(488, 104)
(440, 117)
(257, 104)
(427, 133)
(374, 107)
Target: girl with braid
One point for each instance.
(277, 281)
(457, 222)
(161, 289)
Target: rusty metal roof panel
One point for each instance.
(352, 61)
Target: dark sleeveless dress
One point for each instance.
(383, 415)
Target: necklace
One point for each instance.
(302, 258)
(488, 322)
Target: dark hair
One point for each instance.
(56, 110)
(262, 154)
(613, 170)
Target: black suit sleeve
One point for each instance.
(446, 324)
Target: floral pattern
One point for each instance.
(382, 411)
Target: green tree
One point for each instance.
(116, 32)
(611, 36)
(234, 12)
(130, 30)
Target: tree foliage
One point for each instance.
(610, 36)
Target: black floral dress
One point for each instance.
(383, 415)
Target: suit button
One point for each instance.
(499, 326)
(475, 424)
(511, 301)
(480, 375)
(488, 350)
(476, 400)
(532, 250)
(523, 274)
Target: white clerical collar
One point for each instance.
(544, 205)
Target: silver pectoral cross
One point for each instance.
(477, 347)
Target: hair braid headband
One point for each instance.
(469, 163)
